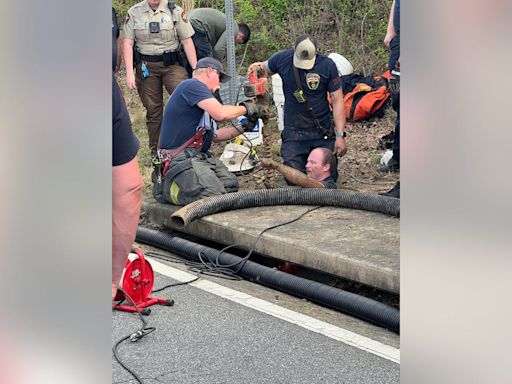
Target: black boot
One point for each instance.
(392, 166)
(394, 192)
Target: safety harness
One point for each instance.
(167, 155)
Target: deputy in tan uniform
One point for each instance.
(157, 32)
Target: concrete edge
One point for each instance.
(159, 215)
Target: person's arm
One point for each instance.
(292, 175)
(227, 133)
(338, 114)
(390, 33)
(220, 112)
(219, 51)
(190, 51)
(128, 43)
(128, 62)
(119, 58)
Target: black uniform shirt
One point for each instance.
(125, 144)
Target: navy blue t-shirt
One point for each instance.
(329, 183)
(115, 35)
(182, 115)
(125, 144)
(316, 83)
(396, 16)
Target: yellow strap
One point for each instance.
(174, 193)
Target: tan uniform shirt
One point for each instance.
(173, 28)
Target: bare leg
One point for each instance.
(126, 201)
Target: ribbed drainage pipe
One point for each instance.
(285, 196)
(346, 302)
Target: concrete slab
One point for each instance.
(357, 245)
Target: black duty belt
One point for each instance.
(152, 58)
(168, 58)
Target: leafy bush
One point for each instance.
(353, 28)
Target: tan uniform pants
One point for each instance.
(151, 94)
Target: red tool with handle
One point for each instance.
(137, 281)
(257, 83)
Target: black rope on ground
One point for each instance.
(136, 336)
(212, 267)
(175, 285)
(144, 330)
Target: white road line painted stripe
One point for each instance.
(326, 329)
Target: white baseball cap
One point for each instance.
(305, 52)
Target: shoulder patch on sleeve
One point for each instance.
(184, 17)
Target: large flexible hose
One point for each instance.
(347, 302)
(285, 196)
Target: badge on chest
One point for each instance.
(312, 80)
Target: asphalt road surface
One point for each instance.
(224, 331)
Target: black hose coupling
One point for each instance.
(140, 334)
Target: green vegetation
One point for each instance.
(353, 28)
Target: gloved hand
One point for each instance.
(248, 123)
(253, 109)
(255, 67)
(251, 123)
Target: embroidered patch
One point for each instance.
(184, 17)
(312, 80)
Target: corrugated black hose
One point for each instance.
(285, 196)
(347, 302)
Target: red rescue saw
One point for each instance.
(137, 281)
(257, 85)
(257, 89)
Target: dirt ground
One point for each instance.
(357, 169)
